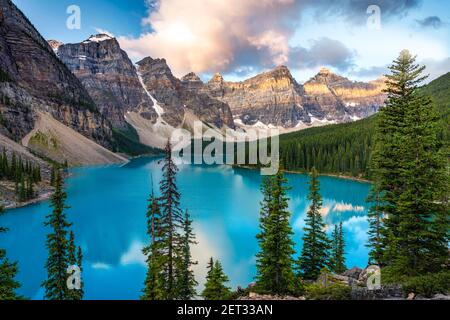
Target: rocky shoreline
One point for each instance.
(355, 280)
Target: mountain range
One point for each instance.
(55, 96)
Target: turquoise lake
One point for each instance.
(108, 206)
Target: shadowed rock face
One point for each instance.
(178, 96)
(109, 76)
(37, 80)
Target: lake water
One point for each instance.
(108, 206)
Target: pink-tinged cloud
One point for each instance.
(229, 35)
(212, 35)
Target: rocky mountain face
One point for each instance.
(32, 78)
(109, 76)
(178, 97)
(270, 98)
(275, 98)
(341, 99)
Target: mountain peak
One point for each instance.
(55, 44)
(281, 71)
(99, 37)
(325, 71)
(217, 78)
(191, 77)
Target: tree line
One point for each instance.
(23, 173)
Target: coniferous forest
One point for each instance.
(346, 149)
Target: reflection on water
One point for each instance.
(108, 207)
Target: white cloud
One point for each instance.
(134, 255)
(103, 31)
(101, 266)
(204, 35)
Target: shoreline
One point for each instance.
(46, 196)
(344, 177)
(42, 198)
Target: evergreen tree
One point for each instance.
(57, 246)
(314, 256)
(410, 175)
(171, 222)
(215, 286)
(80, 265)
(74, 259)
(275, 273)
(186, 279)
(338, 250)
(8, 272)
(376, 230)
(153, 286)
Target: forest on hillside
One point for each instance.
(346, 148)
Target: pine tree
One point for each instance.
(57, 246)
(186, 280)
(376, 230)
(74, 259)
(153, 286)
(314, 256)
(423, 215)
(275, 273)
(338, 250)
(410, 176)
(215, 286)
(171, 222)
(8, 272)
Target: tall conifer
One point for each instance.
(8, 272)
(314, 256)
(275, 273)
(57, 245)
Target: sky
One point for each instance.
(240, 38)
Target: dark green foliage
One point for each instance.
(376, 230)
(274, 262)
(23, 173)
(127, 141)
(153, 286)
(337, 255)
(331, 292)
(185, 276)
(429, 284)
(80, 265)
(75, 257)
(170, 225)
(4, 76)
(215, 286)
(57, 246)
(169, 275)
(346, 148)
(439, 91)
(410, 178)
(314, 256)
(336, 149)
(8, 272)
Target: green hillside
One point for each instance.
(346, 148)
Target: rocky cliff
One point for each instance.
(274, 98)
(108, 75)
(33, 79)
(341, 99)
(270, 98)
(178, 97)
